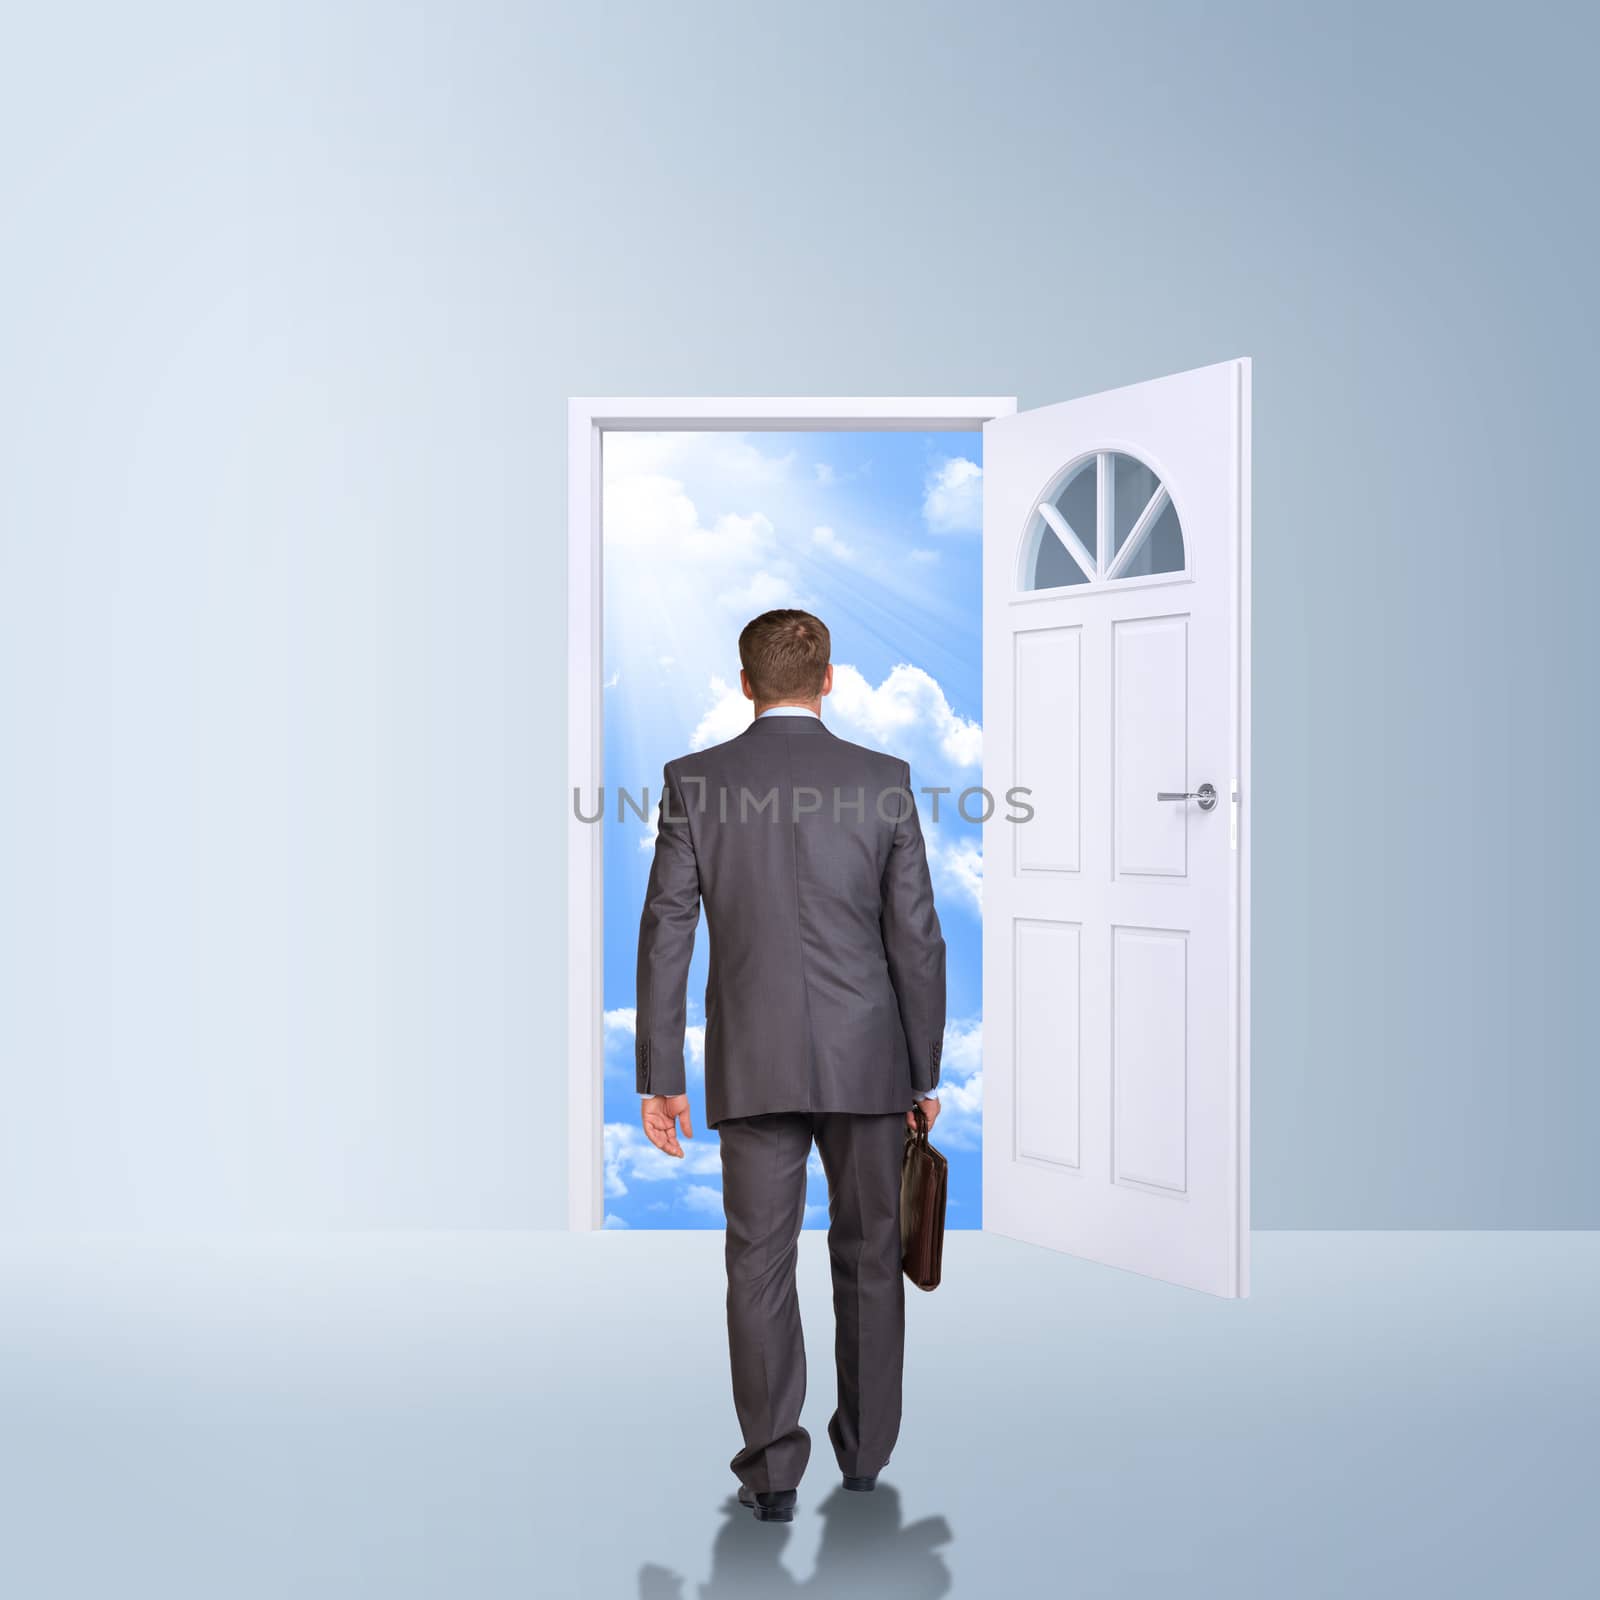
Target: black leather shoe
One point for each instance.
(776, 1505)
(861, 1485)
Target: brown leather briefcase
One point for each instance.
(924, 1181)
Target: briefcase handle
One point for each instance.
(922, 1122)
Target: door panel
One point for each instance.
(1116, 545)
(1150, 743)
(1149, 1056)
(1048, 672)
(1049, 1064)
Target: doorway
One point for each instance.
(871, 517)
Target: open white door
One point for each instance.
(1116, 935)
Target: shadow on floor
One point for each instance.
(865, 1550)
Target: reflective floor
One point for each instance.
(502, 1416)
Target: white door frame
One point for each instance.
(587, 420)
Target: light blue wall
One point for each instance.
(293, 301)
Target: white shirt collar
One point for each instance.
(788, 711)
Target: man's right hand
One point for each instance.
(930, 1109)
(659, 1113)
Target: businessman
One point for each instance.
(825, 1008)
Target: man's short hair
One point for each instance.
(785, 654)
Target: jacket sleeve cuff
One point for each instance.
(654, 1072)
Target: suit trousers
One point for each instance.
(764, 1198)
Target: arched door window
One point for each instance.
(1104, 518)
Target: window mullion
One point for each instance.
(1105, 513)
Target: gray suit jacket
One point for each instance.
(826, 986)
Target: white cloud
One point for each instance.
(825, 473)
(817, 1214)
(614, 1221)
(739, 536)
(654, 534)
(651, 516)
(727, 716)
(645, 501)
(613, 680)
(960, 1124)
(729, 457)
(702, 1197)
(925, 555)
(631, 1158)
(963, 1048)
(651, 825)
(826, 539)
(648, 511)
(956, 867)
(762, 591)
(897, 715)
(952, 501)
(908, 702)
(623, 1022)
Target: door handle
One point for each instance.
(1205, 794)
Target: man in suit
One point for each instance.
(825, 1008)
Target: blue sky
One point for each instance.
(878, 534)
